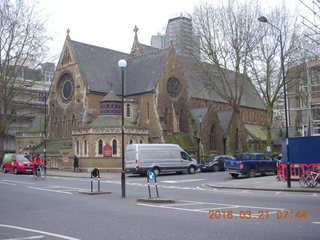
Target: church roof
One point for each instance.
(111, 97)
(143, 72)
(199, 87)
(108, 121)
(99, 68)
(224, 118)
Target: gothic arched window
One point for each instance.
(100, 146)
(114, 147)
(212, 138)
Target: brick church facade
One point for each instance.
(163, 103)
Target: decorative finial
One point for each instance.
(68, 31)
(136, 29)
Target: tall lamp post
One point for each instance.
(122, 65)
(265, 20)
(45, 128)
(199, 137)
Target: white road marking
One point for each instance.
(316, 222)
(49, 190)
(182, 207)
(11, 184)
(17, 182)
(40, 232)
(25, 238)
(183, 181)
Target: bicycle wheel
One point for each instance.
(313, 182)
(304, 179)
(42, 174)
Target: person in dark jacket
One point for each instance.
(75, 163)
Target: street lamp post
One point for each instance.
(122, 65)
(45, 128)
(199, 137)
(265, 20)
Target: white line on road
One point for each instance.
(41, 232)
(25, 238)
(49, 190)
(17, 182)
(11, 184)
(316, 222)
(183, 181)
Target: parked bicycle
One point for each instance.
(40, 172)
(310, 178)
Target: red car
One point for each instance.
(17, 163)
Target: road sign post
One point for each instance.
(152, 177)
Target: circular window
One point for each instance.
(173, 87)
(66, 88)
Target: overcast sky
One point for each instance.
(110, 24)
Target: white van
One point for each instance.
(159, 157)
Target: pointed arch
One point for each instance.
(65, 126)
(100, 147)
(85, 147)
(114, 147)
(73, 121)
(168, 119)
(212, 136)
(77, 147)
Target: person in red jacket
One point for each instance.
(36, 162)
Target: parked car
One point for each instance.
(17, 163)
(215, 163)
(251, 164)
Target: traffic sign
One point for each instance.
(151, 175)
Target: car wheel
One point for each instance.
(252, 173)
(216, 168)
(15, 171)
(4, 170)
(191, 170)
(156, 171)
(234, 175)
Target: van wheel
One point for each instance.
(191, 170)
(156, 171)
(4, 170)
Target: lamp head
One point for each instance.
(122, 64)
(263, 19)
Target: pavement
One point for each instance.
(261, 183)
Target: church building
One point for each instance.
(163, 103)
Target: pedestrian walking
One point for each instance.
(75, 164)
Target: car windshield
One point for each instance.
(211, 159)
(22, 158)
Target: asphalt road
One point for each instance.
(54, 209)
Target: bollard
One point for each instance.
(95, 173)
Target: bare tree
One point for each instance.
(228, 34)
(22, 34)
(265, 61)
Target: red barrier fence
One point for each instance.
(296, 169)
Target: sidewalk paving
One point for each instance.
(264, 183)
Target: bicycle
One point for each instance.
(40, 172)
(310, 178)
